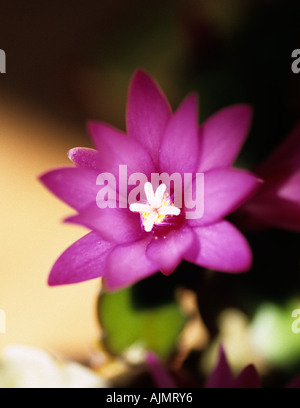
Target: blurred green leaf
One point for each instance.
(127, 320)
(273, 334)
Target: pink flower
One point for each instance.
(129, 244)
(223, 377)
(161, 377)
(220, 377)
(277, 202)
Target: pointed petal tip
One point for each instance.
(93, 124)
(244, 112)
(168, 272)
(53, 278)
(140, 78)
(181, 139)
(240, 109)
(221, 376)
(189, 107)
(93, 129)
(51, 282)
(223, 134)
(140, 73)
(90, 125)
(222, 357)
(191, 99)
(49, 173)
(43, 177)
(160, 374)
(71, 219)
(73, 154)
(147, 112)
(46, 177)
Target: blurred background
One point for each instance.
(68, 62)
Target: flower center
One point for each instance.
(158, 208)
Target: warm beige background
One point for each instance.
(32, 236)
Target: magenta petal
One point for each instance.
(84, 260)
(290, 190)
(160, 375)
(266, 211)
(114, 224)
(179, 149)
(168, 252)
(277, 204)
(222, 248)
(147, 113)
(85, 157)
(222, 136)
(116, 148)
(75, 186)
(248, 378)
(105, 136)
(221, 376)
(224, 191)
(128, 264)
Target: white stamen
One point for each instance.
(158, 207)
(149, 223)
(149, 192)
(169, 210)
(137, 207)
(158, 196)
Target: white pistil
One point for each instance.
(157, 209)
